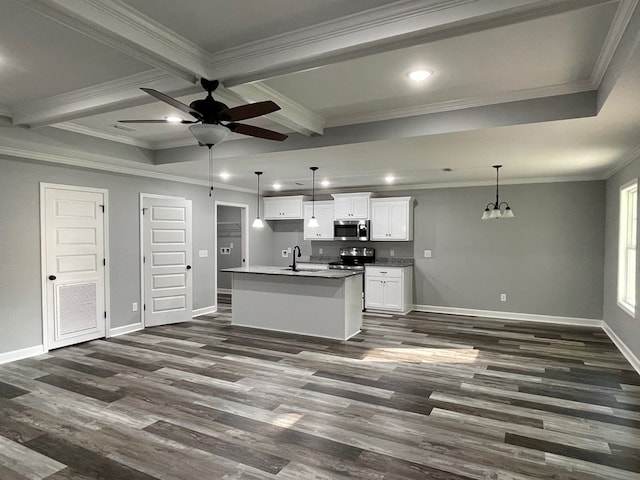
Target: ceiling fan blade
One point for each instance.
(256, 131)
(173, 102)
(250, 110)
(156, 121)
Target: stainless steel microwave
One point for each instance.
(351, 230)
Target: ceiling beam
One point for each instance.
(291, 114)
(561, 107)
(109, 96)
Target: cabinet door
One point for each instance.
(379, 221)
(392, 288)
(398, 221)
(342, 208)
(360, 208)
(324, 214)
(374, 292)
(282, 208)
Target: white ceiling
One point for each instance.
(546, 88)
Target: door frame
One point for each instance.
(245, 238)
(43, 252)
(141, 216)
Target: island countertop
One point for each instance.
(270, 270)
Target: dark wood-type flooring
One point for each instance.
(421, 396)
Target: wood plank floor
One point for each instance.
(421, 396)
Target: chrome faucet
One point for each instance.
(293, 267)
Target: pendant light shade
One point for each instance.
(258, 223)
(496, 210)
(313, 221)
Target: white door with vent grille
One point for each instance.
(73, 240)
(166, 232)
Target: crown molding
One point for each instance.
(120, 26)
(629, 157)
(138, 172)
(292, 115)
(461, 104)
(92, 132)
(123, 92)
(614, 36)
(432, 186)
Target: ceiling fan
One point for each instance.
(213, 119)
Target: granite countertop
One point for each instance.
(391, 264)
(268, 270)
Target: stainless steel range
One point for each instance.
(354, 258)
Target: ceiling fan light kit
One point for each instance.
(496, 210)
(209, 134)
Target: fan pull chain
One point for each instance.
(210, 172)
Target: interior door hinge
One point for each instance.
(144, 307)
(144, 259)
(102, 207)
(105, 314)
(144, 210)
(104, 262)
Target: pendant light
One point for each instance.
(258, 223)
(496, 210)
(313, 221)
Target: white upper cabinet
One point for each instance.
(392, 219)
(351, 206)
(283, 208)
(324, 215)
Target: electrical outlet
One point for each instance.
(320, 252)
(289, 250)
(134, 307)
(427, 254)
(203, 253)
(503, 297)
(392, 253)
(285, 253)
(231, 245)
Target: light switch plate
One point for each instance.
(203, 253)
(231, 245)
(320, 252)
(392, 253)
(427, 254)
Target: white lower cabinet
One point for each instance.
(388, 288)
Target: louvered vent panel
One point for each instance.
(77, 307)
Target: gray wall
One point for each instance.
(620, 322)
(20, 292)
(549, 259)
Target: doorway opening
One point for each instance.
(231, 246)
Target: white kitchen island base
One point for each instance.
(306, 303)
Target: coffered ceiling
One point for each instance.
(547, 88)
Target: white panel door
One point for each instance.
(74, 265)
(168, 295)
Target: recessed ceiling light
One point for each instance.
(277, 186)
(389, 178)
(419, 75)
(325, 183)
(173, 119)
(225, 175)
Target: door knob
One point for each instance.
(188, 267)
(52, 277)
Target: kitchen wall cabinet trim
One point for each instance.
(351, 206)
(324, 215)
(392, 219)
(388, 288)
(284, 208)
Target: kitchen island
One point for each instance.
(320, 303)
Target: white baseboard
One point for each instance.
(133, 327)
(626, 351)
(526, 317)
(204, 311)
(23, 353)
(225, 290)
